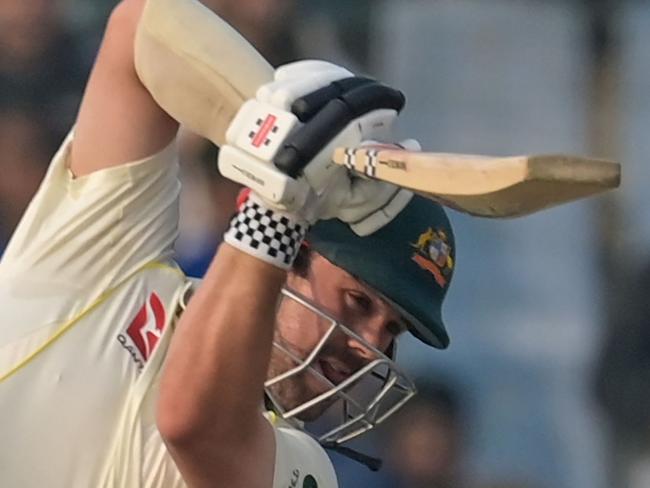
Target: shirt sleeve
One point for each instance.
(82, 236)
(300, 461)
(89, 232)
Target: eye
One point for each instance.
(358, 300)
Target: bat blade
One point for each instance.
(496, 187)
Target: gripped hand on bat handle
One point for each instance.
(264, 129)
(306, 107)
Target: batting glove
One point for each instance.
(310, 108)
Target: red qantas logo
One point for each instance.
(145, 330)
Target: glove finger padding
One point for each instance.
(298, 69)
(282, 94)
(309, 105)
(302, 146)
(410, 145)
(376, 125)
(372, 204)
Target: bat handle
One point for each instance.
(302, 146)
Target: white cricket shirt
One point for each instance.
(89, 294)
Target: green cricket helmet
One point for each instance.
(410, 262)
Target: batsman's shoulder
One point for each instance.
(91, 226)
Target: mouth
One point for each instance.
(334, 372)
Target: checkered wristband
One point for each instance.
(269, 235)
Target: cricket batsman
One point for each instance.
(116, 370)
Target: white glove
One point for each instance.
(262, 125)
(366, 205)
(261, 228)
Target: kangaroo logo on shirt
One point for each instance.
(144, 332)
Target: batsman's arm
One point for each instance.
(209, 409)
(213, 383)
(118, 120)
(162, 61)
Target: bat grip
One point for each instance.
(302, 146)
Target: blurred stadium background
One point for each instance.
(547, 381)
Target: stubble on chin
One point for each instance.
(295, 390)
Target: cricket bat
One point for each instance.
(478, 185)
(484, 186)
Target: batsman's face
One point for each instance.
(299, 330)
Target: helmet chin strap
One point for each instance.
(372, 463)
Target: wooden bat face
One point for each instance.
(484, 186)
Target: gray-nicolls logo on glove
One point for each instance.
(265, 127)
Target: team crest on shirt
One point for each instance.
(433, 254)
(145, 330)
